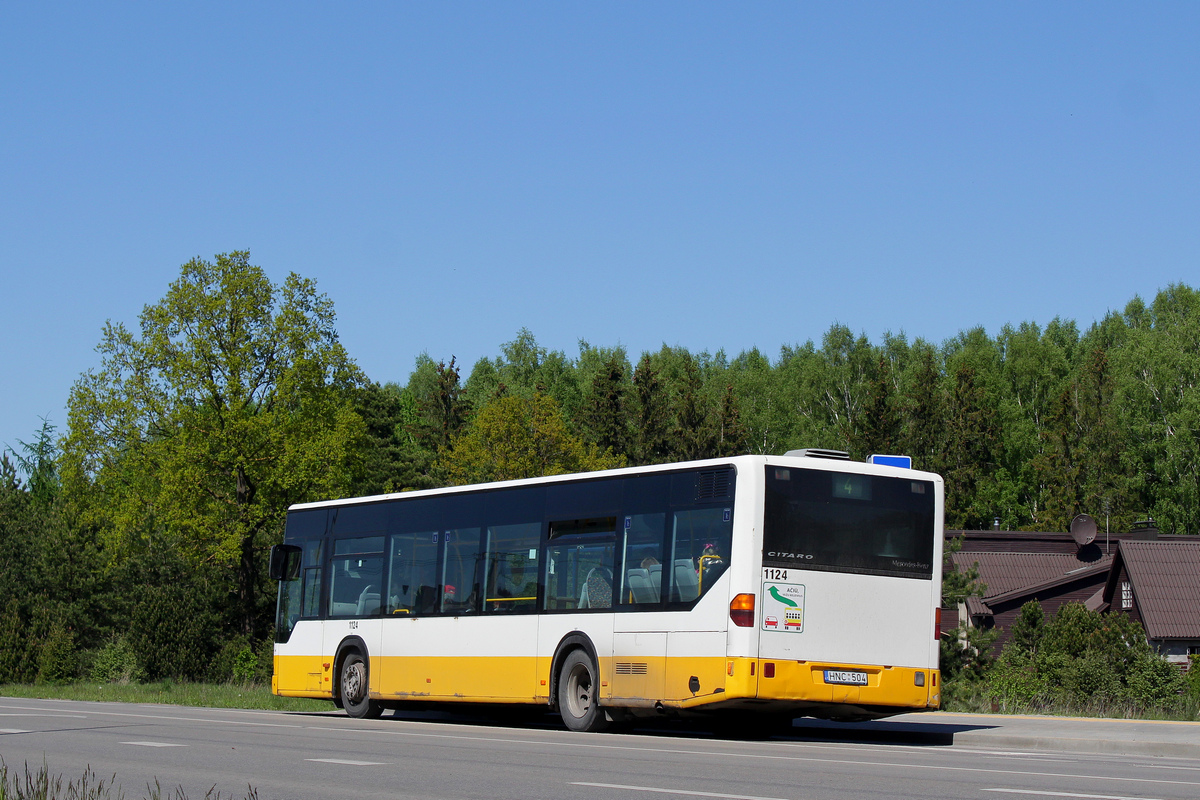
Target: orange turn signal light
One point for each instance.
(741, 610)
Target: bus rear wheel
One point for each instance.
(355, 694)
(578, 682)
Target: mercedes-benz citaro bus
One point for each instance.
(797, 585)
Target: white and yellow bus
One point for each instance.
(793, 585)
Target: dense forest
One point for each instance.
(134, 544)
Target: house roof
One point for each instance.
(1011, 573)
(1165, 578)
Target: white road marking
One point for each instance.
(71, 716)
(759, 756)
(687, 792)
(13, 730)
(166, 718)
(156, 744)
(345, 761)
(1068, 794)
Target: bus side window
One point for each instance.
(356, 576)
(642, 557)
(699, 550)
(413, 558)
(579, 564)
(460, 576)
(511, 567)
(313, 556)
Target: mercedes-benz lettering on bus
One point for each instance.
(789, 585)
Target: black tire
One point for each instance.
(578, 683)
(354, 691)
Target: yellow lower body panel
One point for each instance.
(805, 681)
(303, 676)
(491, 680)
(673, 682)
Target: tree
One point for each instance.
(878, 427)
(759, 410)
(970, 450)
(966, 650)
(604, 413)
(517, 438)
(652, 415)
(731, 438)
(1159, 396)
(694, 437)
(232, 401)
(390, 460)
(441, 401)
(924, 428)
(526, 369)
(39, 461)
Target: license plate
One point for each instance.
(851, 678)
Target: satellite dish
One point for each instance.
(1083, 529)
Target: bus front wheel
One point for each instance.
(578, 683)
(355, 693)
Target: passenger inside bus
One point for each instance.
(712, 565)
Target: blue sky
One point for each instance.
(707, 175)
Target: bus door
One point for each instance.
(580, 589)
(355, 592)
(640, 631)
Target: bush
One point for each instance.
(1156, 681)
(1015, 683)
(266, 659)
(58, 662)
(1081, 659)
(16, 666)
(115, 663)
(1088, 677)
(237, 662)
(245, 665)
(172, 632)
(1191, 682)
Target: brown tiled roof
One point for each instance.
(1009, 572)
(977, 608)
(1165, 576)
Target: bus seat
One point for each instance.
(597, 589)
(426, 600)
(640, 587)
(368, 602)
(687, 584)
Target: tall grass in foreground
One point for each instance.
(41, 785)
(208, 695)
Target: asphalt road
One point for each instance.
(470, 755)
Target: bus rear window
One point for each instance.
(844, 522)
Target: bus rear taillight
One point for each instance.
(937, 624)
(741, 610)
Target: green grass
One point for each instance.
(975, 699)
(205, 695)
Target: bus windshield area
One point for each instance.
(844, 522)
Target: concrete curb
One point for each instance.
(1116, 737)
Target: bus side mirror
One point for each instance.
(285, 562)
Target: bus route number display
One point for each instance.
(783, 602)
